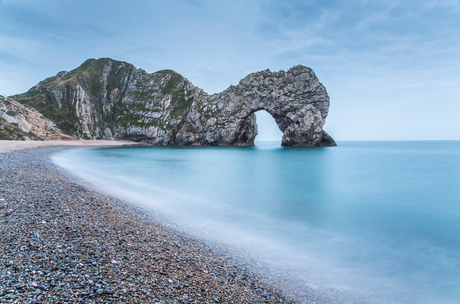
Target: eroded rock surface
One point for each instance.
(21, 122)
(110, 99)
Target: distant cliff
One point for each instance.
(109, 99)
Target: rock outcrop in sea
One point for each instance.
(111, 99)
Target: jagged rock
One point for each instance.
(21, 122)
(109, 99)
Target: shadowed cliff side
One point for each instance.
(111, 99)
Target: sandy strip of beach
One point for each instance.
(15, 145)
(61, 242)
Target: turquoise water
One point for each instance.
(364, 220)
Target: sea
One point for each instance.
(363, 222)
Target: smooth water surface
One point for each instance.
(378, 220)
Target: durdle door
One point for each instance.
(111, 99)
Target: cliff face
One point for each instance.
(20, 122)
(109, 99)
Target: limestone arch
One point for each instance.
(296, 132)
(295, 99)
(299, 106)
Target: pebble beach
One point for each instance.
(62, 242)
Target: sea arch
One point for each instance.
(299, 107)
(296, 100)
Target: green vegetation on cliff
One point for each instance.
(105, 93)
(13, 132)
(105, 98)
(60, 108)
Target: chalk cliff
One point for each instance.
(109, 99)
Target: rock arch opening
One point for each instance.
(267, 129)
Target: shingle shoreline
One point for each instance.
(63, 243)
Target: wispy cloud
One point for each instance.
(366, 52)
(359, 26)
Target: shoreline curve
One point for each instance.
(62, 241)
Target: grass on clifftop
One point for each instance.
(56, 97)
(65, 115)
(172, 83)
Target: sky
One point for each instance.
(391, 68)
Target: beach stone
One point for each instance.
(70, 260)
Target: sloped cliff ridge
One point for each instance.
(19, 122)
(111, 99)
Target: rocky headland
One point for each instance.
(109, 99)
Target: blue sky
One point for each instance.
(391, 68)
